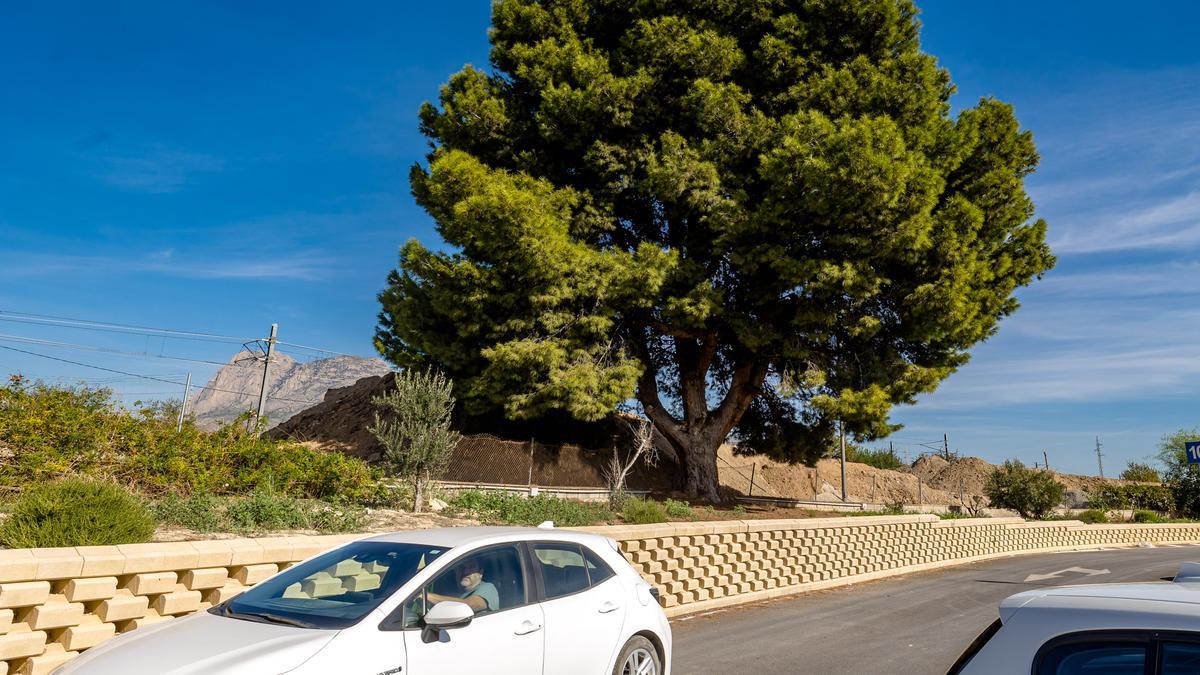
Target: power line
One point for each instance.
(106, 350)
(87, 324)
(315, 349)
(148, 377)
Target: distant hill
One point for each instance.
(293, 386)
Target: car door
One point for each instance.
(584, 605)
(506, 640)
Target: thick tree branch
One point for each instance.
(672, 331)
(748, 378)
(647, 395)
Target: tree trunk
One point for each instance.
(419, 494)
(697, 437)
(701, 466)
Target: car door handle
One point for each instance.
(528, 627)
(609, 607)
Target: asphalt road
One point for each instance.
(907, 625)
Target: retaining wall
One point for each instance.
(55, 603)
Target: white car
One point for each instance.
(471, 600)
(1101, 629)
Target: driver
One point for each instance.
(478, 594)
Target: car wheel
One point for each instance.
(638, 657)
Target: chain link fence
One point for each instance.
(484, 458)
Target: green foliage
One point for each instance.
(413, 426)
(1120, 497)
(1029, 492)
(260, 511)
(1093, 516)
(957, 515)
(739, 510)
(265, 510)
(1142, 516)
(503, 507)
(637, 511)
(880, 459)
(200, 511)
(677, 509)
(58, 431)
(1172, 450)
(1184, 483)
(711, 197)
(1141, 473)
(76, 513)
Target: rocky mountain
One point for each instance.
(292, 386)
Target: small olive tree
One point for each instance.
(412, 422)
(1027, 491)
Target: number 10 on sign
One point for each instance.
(1193, 452)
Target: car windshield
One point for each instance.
(334, 590)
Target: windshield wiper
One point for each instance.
(266, 617)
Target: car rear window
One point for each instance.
(1095, 659)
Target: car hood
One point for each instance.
(204, 643)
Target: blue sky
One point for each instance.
(221, 166)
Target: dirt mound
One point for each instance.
(965, 475)
(864, 483)
(928, 467)
(340, 421)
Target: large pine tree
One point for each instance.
(753, 216)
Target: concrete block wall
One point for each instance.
(702, 566)
(55, 603)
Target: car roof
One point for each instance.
(453, 537)
(1153, 597)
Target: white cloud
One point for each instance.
(154, 169)
(301, 266)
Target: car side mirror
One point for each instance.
(443, 615)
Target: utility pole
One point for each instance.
(1047, 458)
(187, 389)
(262, 392)
(1100, 456)
(842, 428)
(946, 447)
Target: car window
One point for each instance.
(333, 590)
(1094, 658)
(1180, 658)
(598, 570)
(563, 568)
(491, 580)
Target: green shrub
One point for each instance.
(335, 518)
(739, 510)
(264, 510)
(678, 509)
(1029, 492)
(1143, 516)
(504, 507)
(76, 513)
(1120, 497)
(956, 515)
(880, 459)
(85, 432)
(1142, 473)
(636, 511)
(1092, 516)
(200, 511)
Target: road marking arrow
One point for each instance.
(1055, 575)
